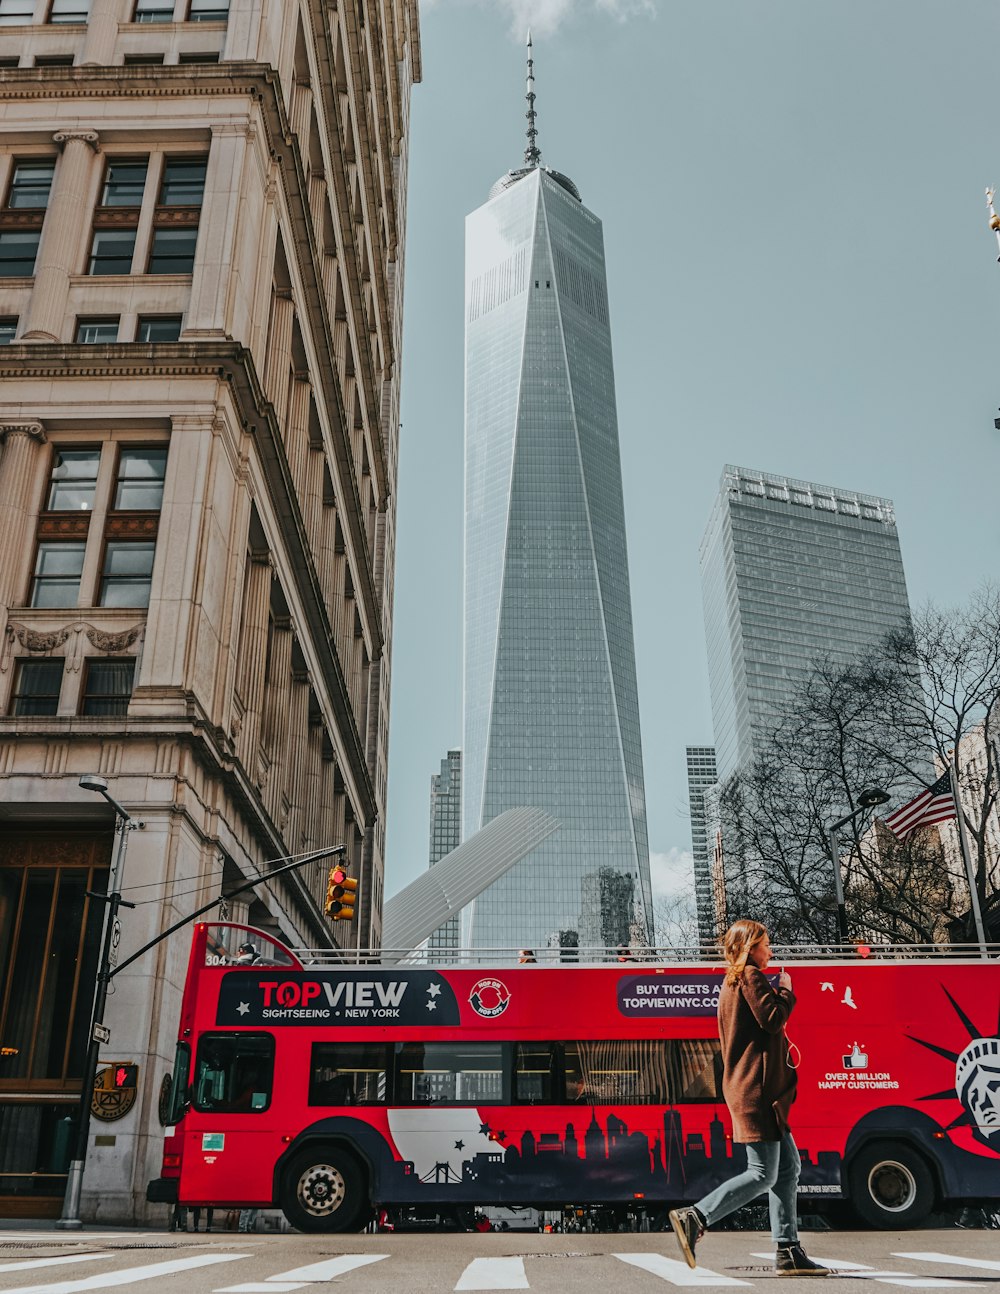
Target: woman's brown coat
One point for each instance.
(757, 1080)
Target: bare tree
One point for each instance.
(893, 718)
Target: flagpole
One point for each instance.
(970, 875)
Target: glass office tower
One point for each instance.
(701, 776)
(551, 709)
(791, 571)
(446, 834)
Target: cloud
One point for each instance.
(545, 16)
(672, 873)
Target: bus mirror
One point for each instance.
(340, 895)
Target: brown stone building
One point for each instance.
(201, 254)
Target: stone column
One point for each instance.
(253, 651)
(102, 32)
(22, 443)
(297, 434)
(279, 350)
(276, 702)
(57, 254)
(212, 289)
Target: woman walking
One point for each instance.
(758, 1083)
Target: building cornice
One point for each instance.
(233, 364)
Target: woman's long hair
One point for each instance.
(737, 944)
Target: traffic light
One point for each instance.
(124, 1076)
(340, 895)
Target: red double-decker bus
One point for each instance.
(331, 1090)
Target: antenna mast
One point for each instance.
(532, 154)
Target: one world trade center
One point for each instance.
(551, 713)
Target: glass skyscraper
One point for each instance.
(446, 833)
(791, 571)
(551, 709)
(701, 776)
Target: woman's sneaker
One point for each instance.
(791, 1260)
(689, 1227)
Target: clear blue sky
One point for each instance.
(801, 279)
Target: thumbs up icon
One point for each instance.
(857, 1059)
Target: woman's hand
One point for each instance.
(785, 980)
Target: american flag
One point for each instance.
(933, 804)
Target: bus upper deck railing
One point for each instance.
(646, 958)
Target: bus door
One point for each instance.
(229, 1137)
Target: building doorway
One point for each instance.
(49, 946)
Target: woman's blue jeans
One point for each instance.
(772, 1166)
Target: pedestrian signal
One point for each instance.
(340, 899)
(124, 1075)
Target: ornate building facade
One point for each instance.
(201, 256)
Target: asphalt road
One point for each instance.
(48, 1262)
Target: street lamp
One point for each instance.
(124, 823)
(868, 799)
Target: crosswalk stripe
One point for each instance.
(951, 1258)
(494, 1274)
(330, 1269)
(677, 1273)
(23, 1264)
(263, 1287)
(128, 1274)
(863, 1271)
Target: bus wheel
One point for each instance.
(323, 1190)
(891, 1185)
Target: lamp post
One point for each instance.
(868, 798)
(124, 823)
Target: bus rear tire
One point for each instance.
(891, 1185)
(323, 1189)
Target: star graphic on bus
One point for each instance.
(243, 1008)
(459, 1145)
(485, 1129)
(977, 1079)
(434, 990)
(431, 1006)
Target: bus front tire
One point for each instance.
(891, 1185)
(323, 1189)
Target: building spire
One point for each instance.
(990, 195)
(532, 154)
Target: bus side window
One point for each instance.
(348, 1073)
(697, 1070)
(234, 1072)
(534, 1073)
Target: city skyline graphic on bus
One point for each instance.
(977, 1079)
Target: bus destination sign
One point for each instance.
(331, 998)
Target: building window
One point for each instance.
(10, 60)
(204, 57)
(16, 13)
(36, 687)
(18, 249)
(178, 209)
(142, 60)
(158, 328)
(208, 11)
(154, 10)
(111, 251)
(54, 60)
(108, 687)
(8, 327)
(183, 183)
(125, 178)
(141, 473)
(31, 184)
(94, 332)
(172, 251)
(73, 480)
(58, 567)
(69, 11)
(127, 573)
